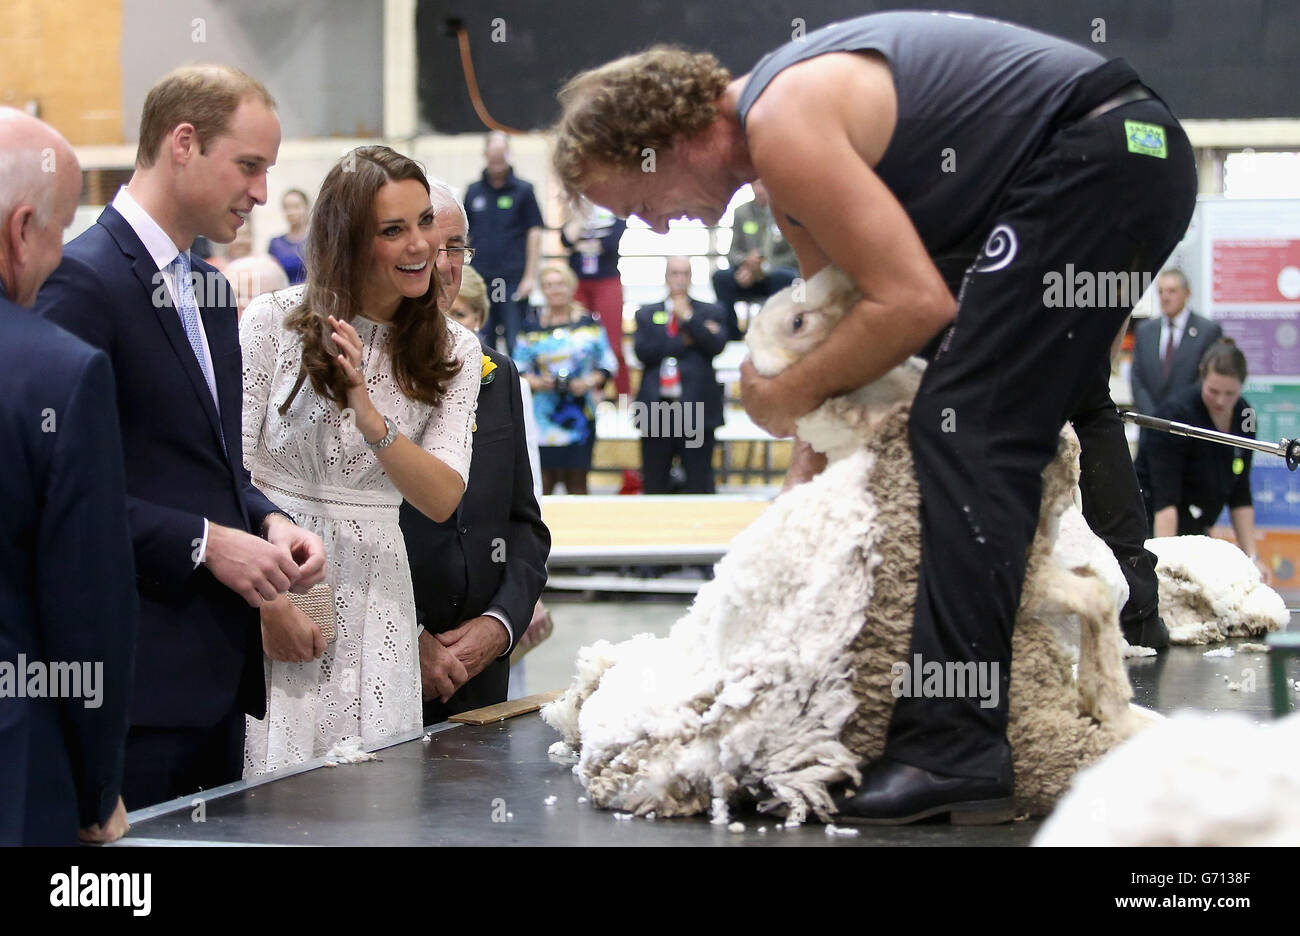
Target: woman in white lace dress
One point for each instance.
(355, 397)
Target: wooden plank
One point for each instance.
(648, 520)
(508, 709)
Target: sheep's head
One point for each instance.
(798, 319)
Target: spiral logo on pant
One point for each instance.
(999, 250)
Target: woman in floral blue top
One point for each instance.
(564, 355)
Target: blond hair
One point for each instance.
(473, 292)
(612, 114)
(205, 96)
(561, 268)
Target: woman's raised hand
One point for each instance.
(366, 418)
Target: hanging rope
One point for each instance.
(471, 82)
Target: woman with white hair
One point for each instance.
(564, 354)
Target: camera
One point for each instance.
(562, 382)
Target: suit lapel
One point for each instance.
(159, 299)
(217, 321)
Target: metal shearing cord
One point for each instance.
(1287, 448)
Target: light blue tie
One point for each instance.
(189, 309)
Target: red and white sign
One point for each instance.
(1255, 270)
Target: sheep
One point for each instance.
(1193, 779)
(776, 683)
(1210, 590)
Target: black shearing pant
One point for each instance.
(1112, 497)
(1009, 372)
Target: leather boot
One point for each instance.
(894, 793)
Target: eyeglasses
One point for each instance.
(458, 256)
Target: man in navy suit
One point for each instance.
(67, 603)
(167, 321)
(477, 575)
(677, 341)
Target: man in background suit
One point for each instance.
(1168, 348)
(207, 136)
(677, 341)
(66, 592)
(477, 575)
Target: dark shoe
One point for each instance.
(894, 793)
(1150, 632)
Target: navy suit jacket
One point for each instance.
(199, 652)
(694, 361)
(67, 590)
(1150, 390)
(492, 552)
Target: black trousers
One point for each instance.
(1112, 502)
(657, 461)
(1014, 366)
(164, 763)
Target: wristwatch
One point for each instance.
(387, 440)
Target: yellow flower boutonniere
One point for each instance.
(488, 375)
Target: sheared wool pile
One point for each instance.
(1193, 779)
(1210, 590)
(777, 681)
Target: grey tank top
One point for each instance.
(975, 97)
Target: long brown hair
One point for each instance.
(340, 244)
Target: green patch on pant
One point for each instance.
(1145, 139)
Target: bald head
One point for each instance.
(40, 181)
(677, 274)
(496, 153)
(253, 275)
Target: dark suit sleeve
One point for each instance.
(1143, 395)
(652, 342)
(529, 541)
(708, 340)
(259, 505)
(86, 584)
(165, 539)
(1213, 333)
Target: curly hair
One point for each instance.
(611, 114)
(339, 250)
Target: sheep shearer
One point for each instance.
(953, 167)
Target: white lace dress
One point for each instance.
(319, 470)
